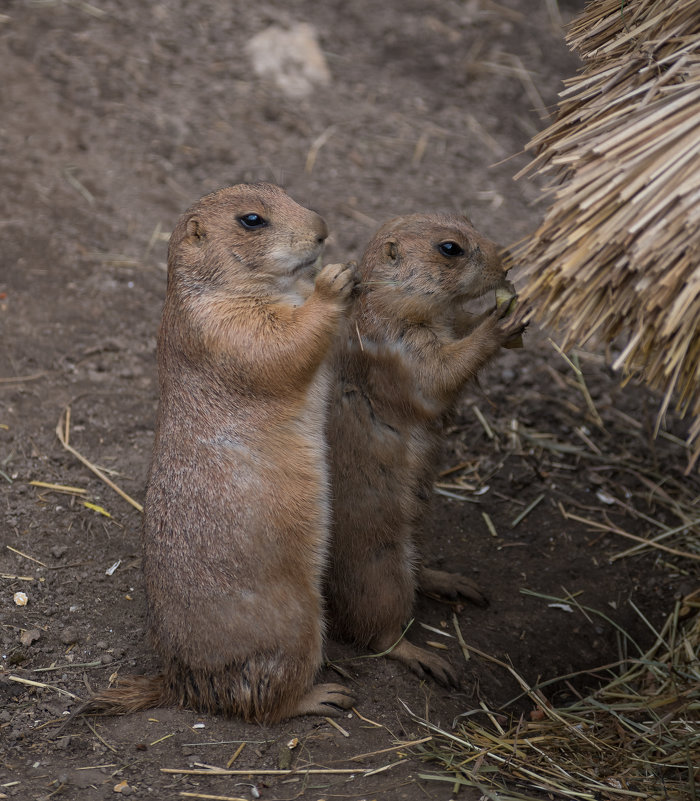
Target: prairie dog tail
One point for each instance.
(129, 694)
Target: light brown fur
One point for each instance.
(400, 366)
(237, 506)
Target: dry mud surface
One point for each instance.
(114, 117)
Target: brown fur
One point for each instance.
(400, 367)
(237, 506)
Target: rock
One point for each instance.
(70, 635)
(29, 637)
(21, 598)
(55, 709)
(290, 58)
(58, 551)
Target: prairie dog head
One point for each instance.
(248, 239)
(430, 262)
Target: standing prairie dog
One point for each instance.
(400, 366)
(237, 508)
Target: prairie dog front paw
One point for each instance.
(337, 281)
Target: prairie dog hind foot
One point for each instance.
(327, 700)
(419, 660)
(450, 585)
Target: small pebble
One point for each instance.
(58, 551)
(30, 636)
(69, 635)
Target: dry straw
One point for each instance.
(636, 737)
(618, 251)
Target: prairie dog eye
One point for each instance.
(450, 248)
(250, 221)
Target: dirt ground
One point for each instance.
(115, 115)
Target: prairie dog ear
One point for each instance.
(391, 250)
(195, 229)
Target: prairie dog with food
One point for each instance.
(399, 367)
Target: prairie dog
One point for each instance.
(400, 365)
(237, 509)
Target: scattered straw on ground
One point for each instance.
(638, 735)
(587, 460)
(619, 249)
(635, 738)
(63, 434)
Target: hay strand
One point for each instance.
(635, 737)
(63, 433)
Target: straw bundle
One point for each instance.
(619, 249)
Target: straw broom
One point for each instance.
(618, 251)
